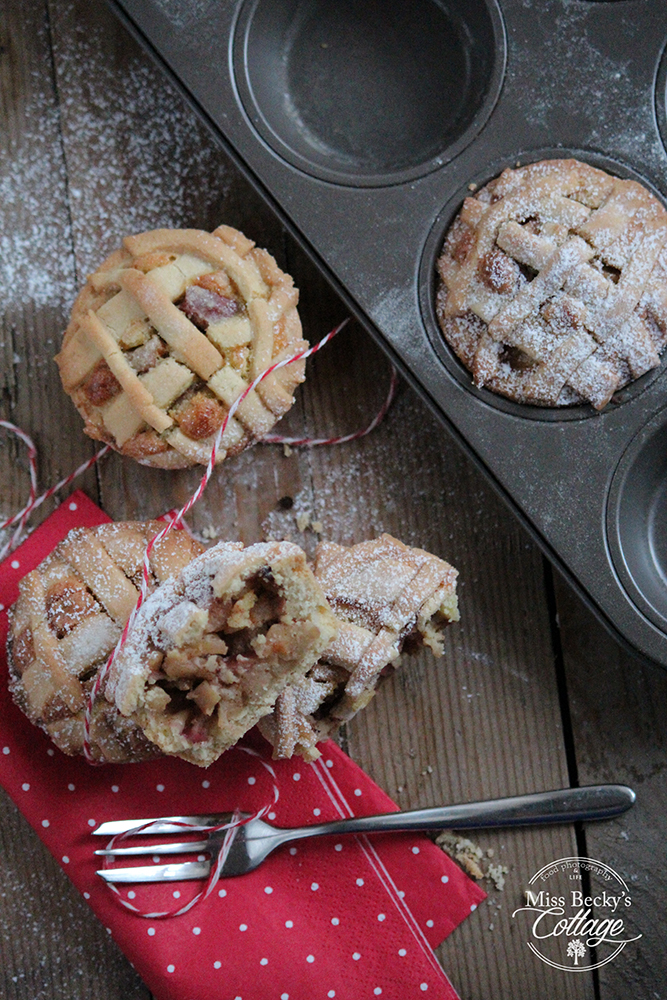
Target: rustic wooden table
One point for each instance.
(532, 694)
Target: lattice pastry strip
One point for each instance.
(388, 599)
(168, 333)
(553, 283)
(68, 618)
(214, 647)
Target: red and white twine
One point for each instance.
(174, 517)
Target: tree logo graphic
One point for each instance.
(576, 949)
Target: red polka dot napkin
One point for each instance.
(345, 918)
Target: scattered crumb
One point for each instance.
(210, 532)
(400, 788)
(471, 858)
(490, 927)
(496, 874)
(428, 769)
(624, 835)
(472, 186)
(302, 521)
(462, 850)
(287, 451)
(317, 527)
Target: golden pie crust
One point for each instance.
(168, 333)
(389, 599)
(553, 284)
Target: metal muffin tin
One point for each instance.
(363, 122)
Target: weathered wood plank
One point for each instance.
(618, 707)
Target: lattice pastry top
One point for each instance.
(554, 284)
(169, 332)
(388, 599)
(213, 647)
(67, 619)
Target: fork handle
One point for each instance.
(566, 805)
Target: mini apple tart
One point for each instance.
(554, 284)
(169, 332)
(212, 649)
(68, 618)
(389, 599)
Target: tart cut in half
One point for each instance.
(169, 332)
(389, 599)
(68, 618)
(553, 284)
(213, 648)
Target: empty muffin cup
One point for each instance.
(368, 92)
(637, 520)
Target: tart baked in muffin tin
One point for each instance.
(553, 284)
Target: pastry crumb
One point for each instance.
(317, 527)
(287, 451)
(302, 521)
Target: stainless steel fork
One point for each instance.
(254, 840)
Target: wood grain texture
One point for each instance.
(618, 708)
(99, 145)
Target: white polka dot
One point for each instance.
(402, 952)
(284, 996)
(114, 788)
(92, 822)
(217, 965)
(15, 564)
(65, 859)
(415, 850)
(176, 893)
(401, 894)
(360, 881)
(429, 923)
(86, 895)
(289, 923)
(243, 927)
(2, 607)
(206, 783)
(196, 930)
(381, 917)
(445, 879)
(131, 894)
(45, 822)
(310, 958)
(272, 815)
(357, 791)
(151, 932)
(329, 763)
(5, 750)
(171, 968)
(316, 812)
(263, 961)
(338, 847)
(251, 780)
(377, 991)
(73, 505)
(201, 857)
(356, 956)
(71, 787)
(50, 752)
(25, 786)
(335, 921)
(473, 907)
(156, 858)
(423, 987)
(160, 788)
(292, 850)
(331, 993)
(296, 776)
(268, 890)
(314, 886)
